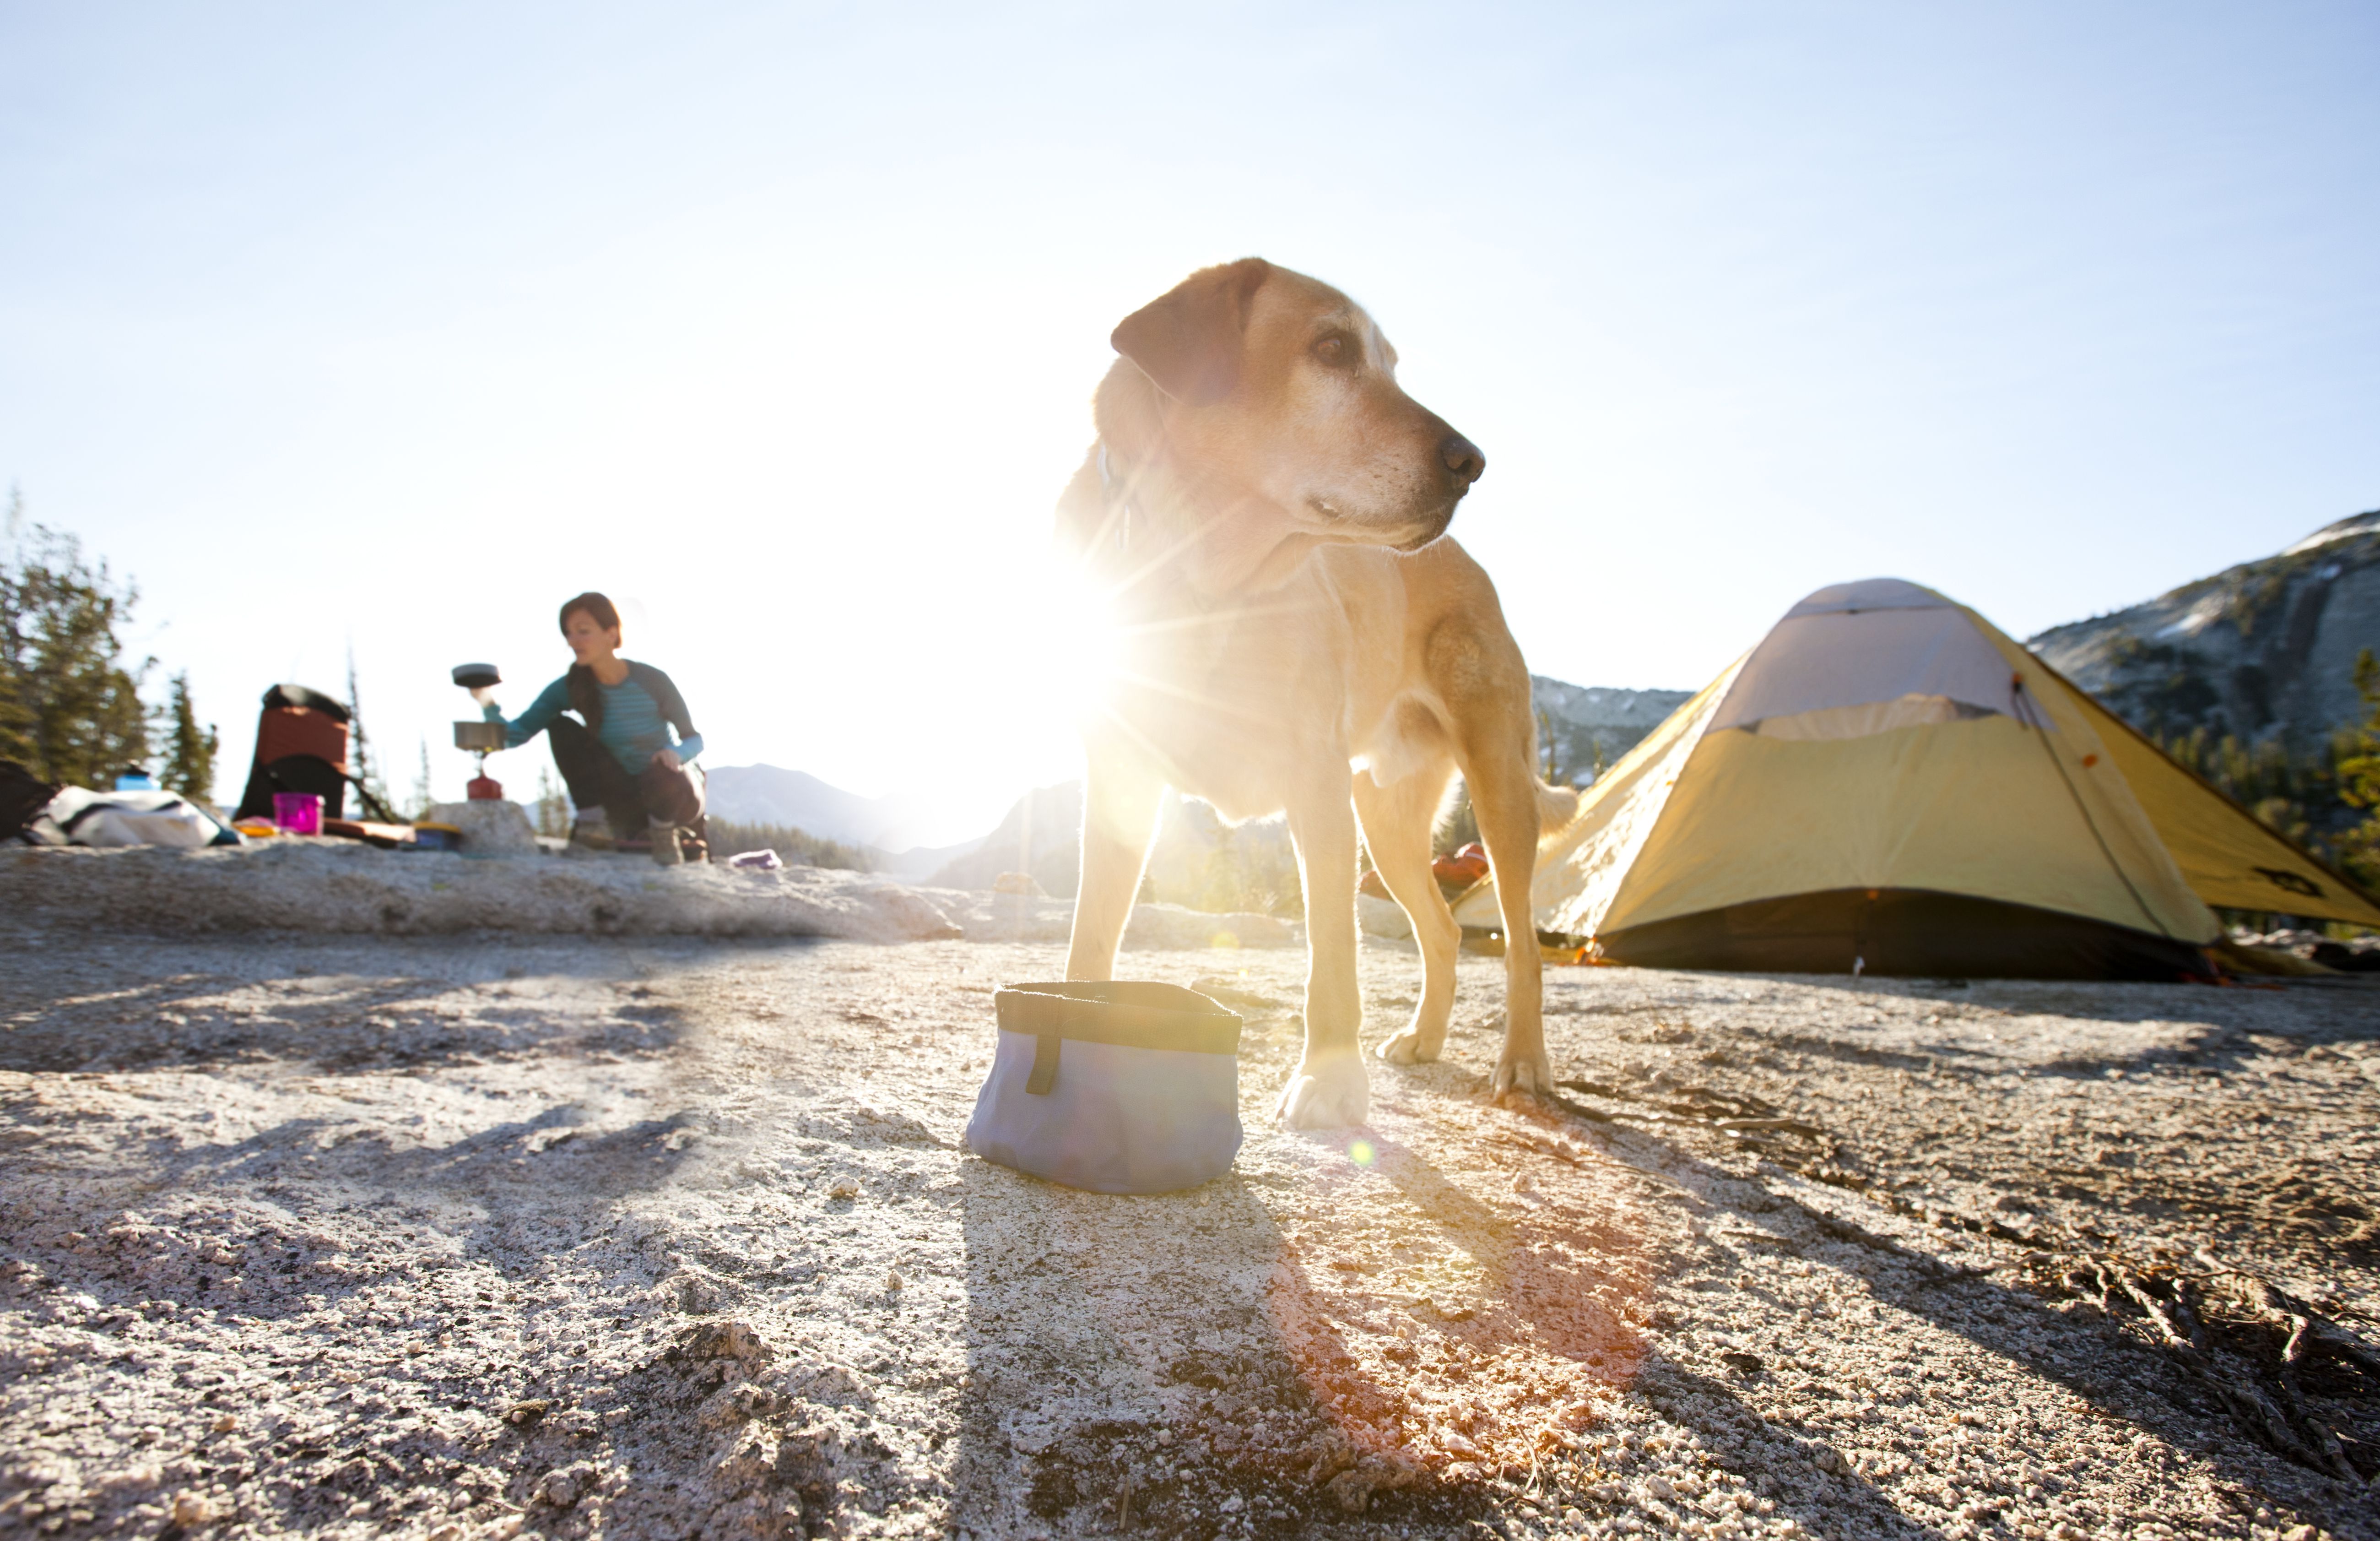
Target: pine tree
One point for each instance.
(77, 712)
(421, 797)
(360, 758)
(190, 753)
(15, 721)
(2359, 776)
(359, 746)
(552, 805)
(358, 742)
(16, 718)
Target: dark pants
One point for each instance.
(630, 802)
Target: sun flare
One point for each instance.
(1077, 641)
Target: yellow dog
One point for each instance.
(1265, 506)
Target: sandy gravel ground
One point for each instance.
(483, 1236)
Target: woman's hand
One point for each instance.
(666, 759)
(483, 694)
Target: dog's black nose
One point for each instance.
(1463, 459)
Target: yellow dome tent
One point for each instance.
(1888, 784)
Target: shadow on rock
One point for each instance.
(337, 1026)
(2118, 1376)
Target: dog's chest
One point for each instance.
(1235, 701)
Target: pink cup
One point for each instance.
(297, 813)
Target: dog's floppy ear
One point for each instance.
(1189, 341)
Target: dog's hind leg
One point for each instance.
(1120, 808)
(1398, 820)
(1504, 797)
(1480, 677)
(1328, 1090)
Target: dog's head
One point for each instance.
(1282, 387)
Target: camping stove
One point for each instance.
(481, 737)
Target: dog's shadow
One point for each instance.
(1177, 1361)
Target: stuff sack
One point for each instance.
(78, 817)
(1119, 1088)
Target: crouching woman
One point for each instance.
(628, 758)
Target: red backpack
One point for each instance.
(301, 746)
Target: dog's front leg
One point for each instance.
(1120, 806)
(1327, 1089)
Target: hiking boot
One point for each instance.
(592, 837)
(665, 849)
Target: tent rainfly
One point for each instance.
(1888, 784)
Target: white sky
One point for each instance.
(778, 324)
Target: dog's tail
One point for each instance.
(1556, 810)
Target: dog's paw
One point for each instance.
(1325, 1093)
(1409, 1047)
(1526, 1074)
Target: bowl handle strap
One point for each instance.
(1045, 1064)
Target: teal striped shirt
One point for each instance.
(633, 729)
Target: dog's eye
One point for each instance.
(1335, 349)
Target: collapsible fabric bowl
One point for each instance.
(1119, 1088)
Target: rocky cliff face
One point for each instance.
(1588, 727)
(1042, 837)
(2261, 650)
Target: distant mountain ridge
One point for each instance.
(1586, 726)
(2262, 650)
(771, 794)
